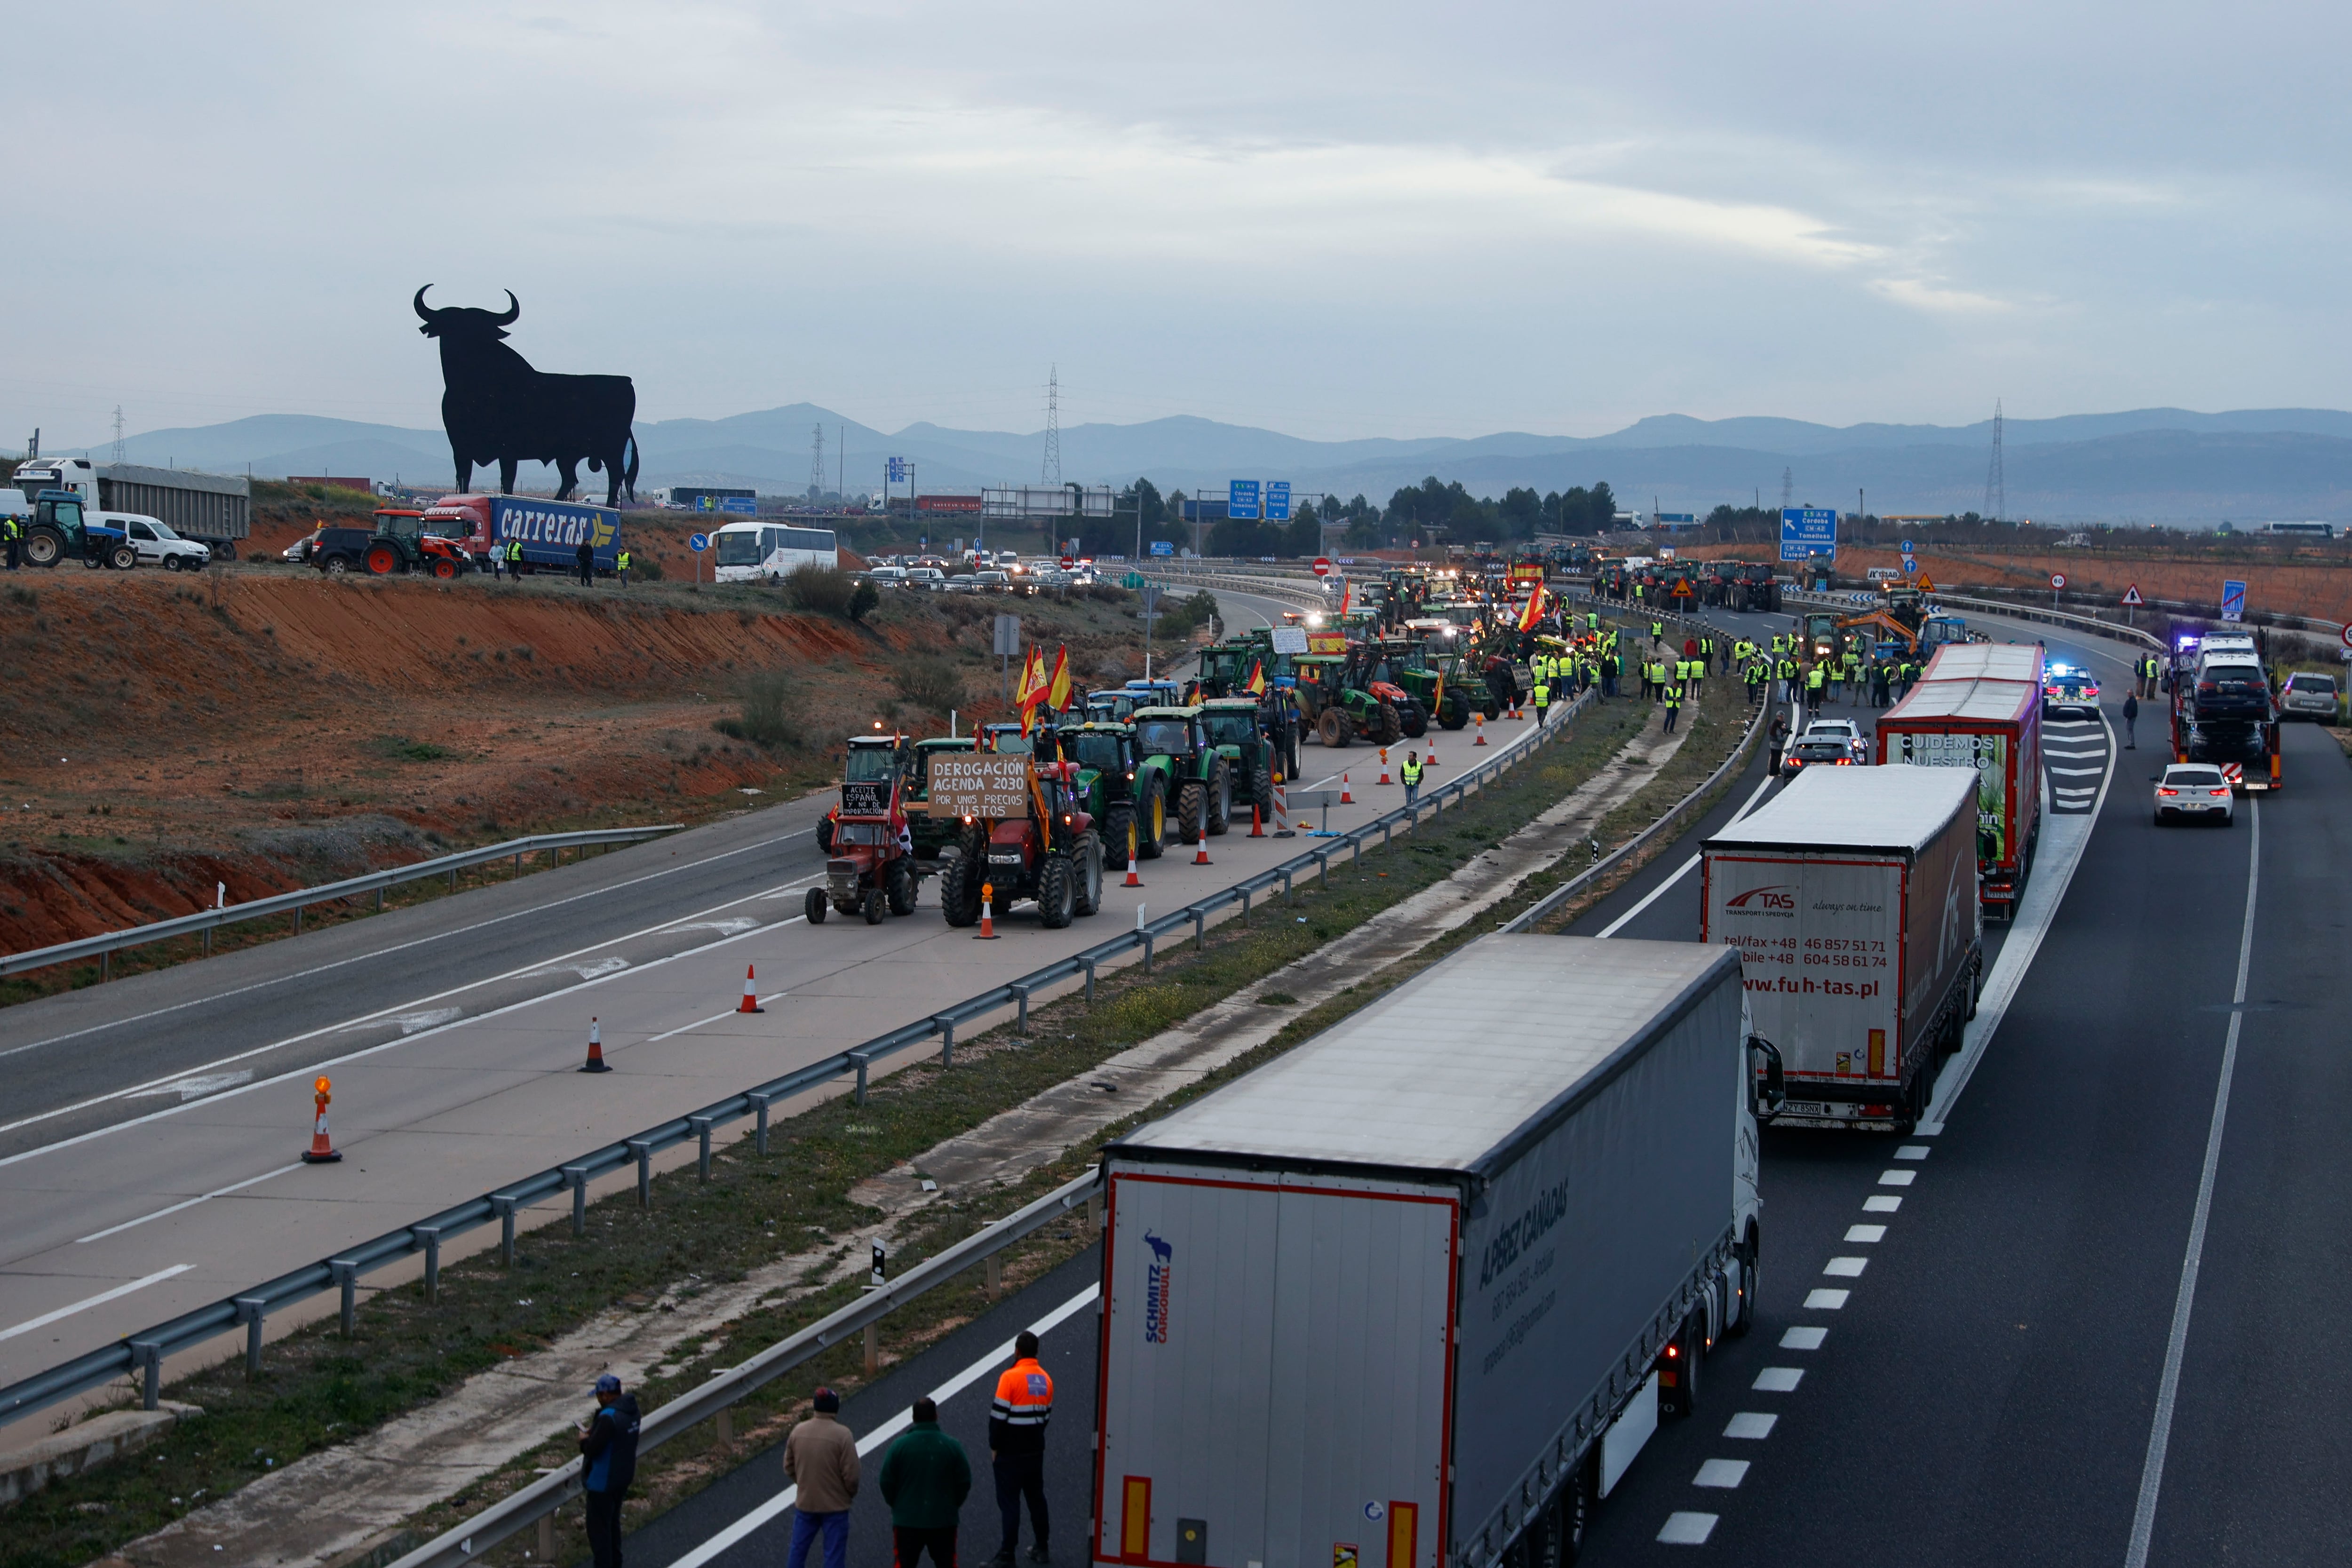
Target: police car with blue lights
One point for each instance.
(2068, 685)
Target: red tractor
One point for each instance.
(1027, 835)
(870, 857)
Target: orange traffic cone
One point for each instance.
(1432, 751)
(750, 993)
(595, 1062)
(1479, 721)
(321, 1152)
(1345, 798)
(1384, 764)
(1257, 823)
(1201, 858)
(987, 912)
(1133, 860)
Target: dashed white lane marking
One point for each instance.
(1845, 1267)
(189, 1204)
(1750, 1424)
(1912, 1152)
(1723, 1473)
(1865, 1234)
(1804, 1337)
(1826, 1300)
(591, 971)
(195, 1088)
(1778, 1380)
(1881, 1203)
(1687, 1529)
(45, 1318)
(1897, 1178)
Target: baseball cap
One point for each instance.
(608, 1383)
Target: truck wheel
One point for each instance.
(1087, 897)
(1976, 985)
(960, 892)
(1151, 826)
(383, 560)
(1192, 812)
(1118, 823)
(1221, 798)
(875, 907)
(1569, 1514)
(1057, 892)
(900, 884)
(122, 557)
(814, 906)
(1749, 1250)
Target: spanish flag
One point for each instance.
(1534, 614)
(1347, 595)
(1057, 689)
(1031, 689)
(1255, 686)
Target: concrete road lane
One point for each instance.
(449, 1110)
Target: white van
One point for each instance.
(156, 544)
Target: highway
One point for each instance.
(153, 1126)
(2016, 1373)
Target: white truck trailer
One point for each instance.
(1852, 897)
(1414, 1294)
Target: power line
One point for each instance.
(1996, 479)
(1052, 473)
(118, 434)
(817, 462)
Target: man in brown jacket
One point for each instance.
(820, 1460)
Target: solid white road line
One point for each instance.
(421, 940)
(2176, 1347)
(774, 1506)
(45, 1318)
(1685, 867)
(175, 1208)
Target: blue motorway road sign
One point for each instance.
(898, 471)
(698, 542)
(741, 506)
(1162, 547)
(2233, 601)
(1278, 500)
(1807, 532)
(1241, 498)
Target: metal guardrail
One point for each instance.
(1990, 608)
(207, 921)
(508, 1517)
(142, 1352)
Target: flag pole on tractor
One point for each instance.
(1533, 614)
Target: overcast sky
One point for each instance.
(1332, 219)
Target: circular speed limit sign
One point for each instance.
(2057, 579)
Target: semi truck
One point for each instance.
(550, 532)
(214, 511)
(1852, 898)
(1979, 706)
(1416, 1293)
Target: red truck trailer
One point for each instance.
(1979, 706)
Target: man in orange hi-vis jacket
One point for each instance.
(1016, 1442)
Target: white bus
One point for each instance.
(770, 552)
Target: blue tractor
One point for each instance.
(58, 533)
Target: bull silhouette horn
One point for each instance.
(514, 309)
(422, 313)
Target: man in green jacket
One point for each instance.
(925, 1478)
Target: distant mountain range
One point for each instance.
(2155, 465)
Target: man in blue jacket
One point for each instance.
(608, 1459)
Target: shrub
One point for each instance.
(864, 601)
(820, 590)
(1187, 614)
(929, 681)
(765, 719)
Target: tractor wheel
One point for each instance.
(1192, 812)
(815, 906)
(383, 560)
(876, 907)
(1151, 824)
(1119, 822)
(1457, 711)
(1057, 892)
(1221, 797)
(122, 557)
(1414, 720)
(1089, 860)
(960, 892)
(445, 568)
(900, 884)
(44, 547)
(1332, 728)
(1262, 788)
(825, 834)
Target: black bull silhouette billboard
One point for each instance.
(497, 409)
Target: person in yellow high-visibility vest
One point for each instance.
(1412, 764)
(1816, 679)
(1674, 705)
(1542, 699)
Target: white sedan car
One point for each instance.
(2194, 789)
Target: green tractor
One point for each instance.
(930, 833)
(1113, 789)
(1237, 728)
(1175, 756)
(1337, 703)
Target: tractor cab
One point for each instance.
(1156, 693)
(931, 834)
(1904, 603)
(1942, 629)
(1005, 740)
(1820, 635)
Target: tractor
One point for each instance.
(400, 541)
(1025, 835)
(930, 832)
(58, 533)
(1114, 790)
(1237, 728)
(1338, 705)
(870, 858)
(1172, 746)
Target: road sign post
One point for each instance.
(2233, 601)
(698, 542)
(2057, 585)
(2132, 601)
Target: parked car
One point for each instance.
(1845, 732)
(888, 577)
(298, 552)
(2194, 789)
(2309, 696)
(963, 583)
(992, 581)
(929, 578)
